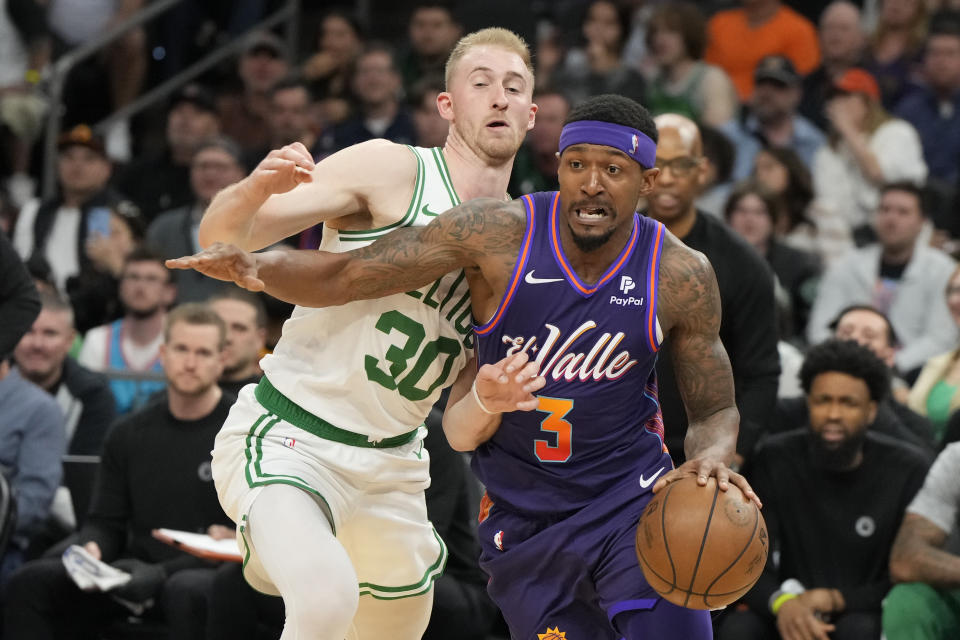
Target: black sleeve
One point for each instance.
(99, 412)
(110, 508)
(761, 476)
(750, 338)
(19, 301)
(29, 18)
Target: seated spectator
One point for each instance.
(430, 126)
(899, 277)
(868, 327)
(896, 46)
(217, 163)
(57, 229)
(925, 560)
(718, 158)
(738, 39)
(933, 108)
(842, 43)
(288, 120)
(804, 225)
(327, 71)
(935, 393)
(831, 524)
(682, 82)
(19, 303)
(93, 292)
(596, 67)
(159, 180)
(31, 444)
(772, 120)
(131, 345)
(866, 149)
(245, 318)
(376, 84)
(754, 213)
(155, 472)
(536, 164)
(244, 114)
(432, 32)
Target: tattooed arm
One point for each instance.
(918, 555)
(689, 310)
(482, 233)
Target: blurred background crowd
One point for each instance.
(830, 155)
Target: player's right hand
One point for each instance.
(282, 170)
(223, 262)
(508, 385)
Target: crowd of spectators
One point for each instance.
(811, 150)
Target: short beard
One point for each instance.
(588, 244)
(840, 456)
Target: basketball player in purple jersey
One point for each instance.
(574, 292)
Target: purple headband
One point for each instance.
(632, 142)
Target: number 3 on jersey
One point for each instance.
(556, 409)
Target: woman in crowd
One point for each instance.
(328, 70)
(803, 224)
(682, 82)
(867, 147)
(754, 212)
(896, 46)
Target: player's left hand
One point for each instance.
(223, 262)
(703, 468)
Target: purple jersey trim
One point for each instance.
(656, 251)
(631, 605)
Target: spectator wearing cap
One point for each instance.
(217, 163)
(244, 114)
(933, 108)
(866, 149)
(160, 180)
(57, 229)
(842, 43)
(740, 38)
(773, 120)
(380, 113)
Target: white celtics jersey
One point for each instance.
(376, 367)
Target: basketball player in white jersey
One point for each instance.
(321, 465)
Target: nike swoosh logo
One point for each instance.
(646, 482)
(427, 212)
(530, 279)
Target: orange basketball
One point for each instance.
(700, 547)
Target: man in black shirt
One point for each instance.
(245, 317)
(155, 472)
(747, 326)
(834, 495)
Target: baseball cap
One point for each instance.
(776, 69)
(266, 42)
(197, 95)
(81, 136)
(857, 80)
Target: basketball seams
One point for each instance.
(753, 535)
(703, 542)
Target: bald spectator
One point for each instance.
(433, 31)
(740, 38)
(160, 179)
(842, 42)
(244, 115)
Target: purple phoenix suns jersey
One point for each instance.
(598, 420)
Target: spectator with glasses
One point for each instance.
(747, 328)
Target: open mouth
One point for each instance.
(590, 213)
(497, 124)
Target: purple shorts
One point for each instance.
(578, 575)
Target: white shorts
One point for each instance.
(373, 497)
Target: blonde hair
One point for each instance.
(490, 37)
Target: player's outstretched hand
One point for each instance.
(223, 262)
(508, 385)
(283, 169)
(705, 467)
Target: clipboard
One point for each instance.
(200, 544)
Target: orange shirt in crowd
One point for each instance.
(737, 47)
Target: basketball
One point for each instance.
(700, 547)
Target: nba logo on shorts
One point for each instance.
(498, 540)
(289, 442)
(627, 284)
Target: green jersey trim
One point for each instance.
(371, 234)
(282, 406)
(417, 588)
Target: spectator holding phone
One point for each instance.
(57, 229)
